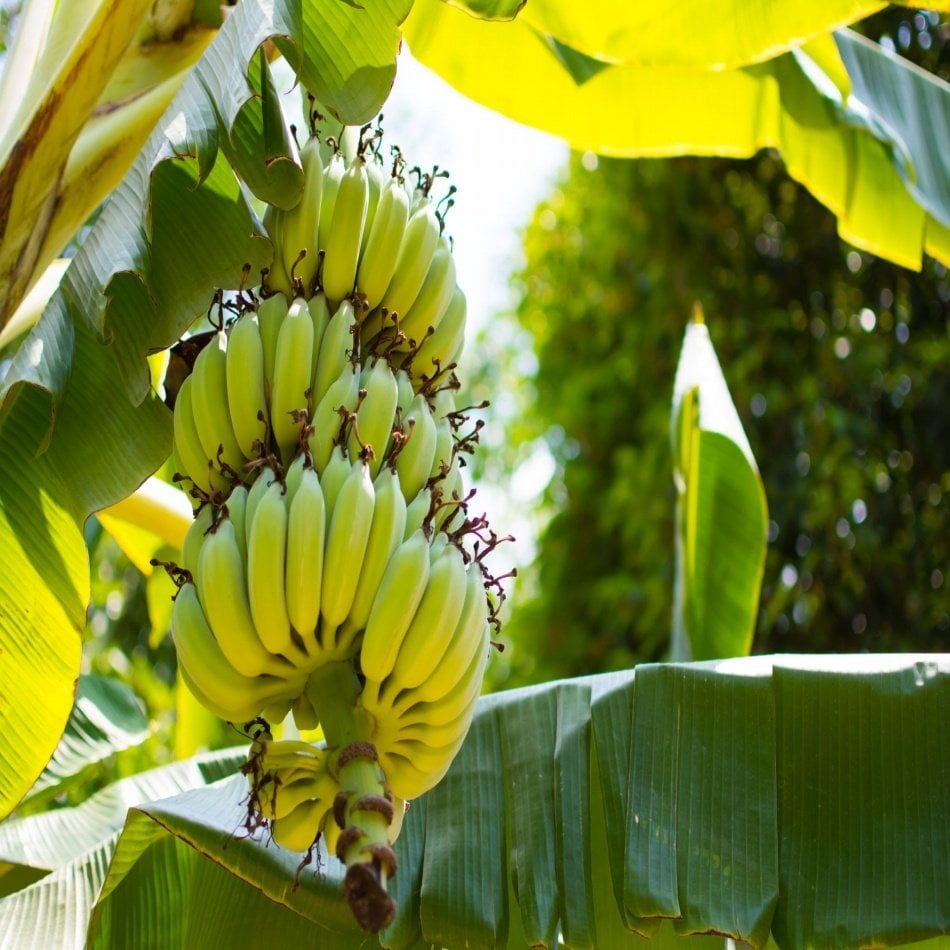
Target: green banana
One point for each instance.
(306, 530)
(210, 404)
(435, 620)
(347, 536)
(400, 592)
(320, 315)
(266, 560)
(386, 534)
(332, 176)
(326, 422)
(376, 414)
(299, 224)
(264, 480)
(292, 368)
(416, 512)
(381, 249)
(247, 398)
(270, 315)
(434, 296)
(469, 637)
(416, 458)
(342, 248)
(188, 445)
(418, 246)
(277, 279)
(239, 697)
(336, 348)
(195, 538)
(222, 591)
(435, 353)
(298, 830)
(333, 476)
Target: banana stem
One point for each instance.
(363, 808)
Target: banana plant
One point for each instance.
(182, 223)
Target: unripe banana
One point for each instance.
(416, 458)
(293, 477)
(247, 398)
(304, 715)
(222, 591)
(320, 315)
(434, 296)
(418, 246)
(235, 697)
(451, 512)
(417, 511)
(436, 353)
(376, 179)
(210, 403)
(264, 480)
(195, 538)
(277, 280)
(299, 224)
(468, 639)
(448, 700)
(342, 248)
(381, 250)
(444, 455)
(276, 712)
(406, 392)
(375, 417)
(332, 176)
(306, 531)
(347, 536)
(400, 592)
(337, 471)
(266, 560)
(327, 420)
(188, 447)
(336, 348)
(294, 361)
(386, 534)
(270, 316)
(298, 830)
(434, 622)
(236, 510)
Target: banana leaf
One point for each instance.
(721, 513)
(857, 126)
(795, 798)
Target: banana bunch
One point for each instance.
(333, 571)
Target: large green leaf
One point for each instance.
(42, 909)
(721, 513)
(844, 151)
(78, 426)
(106, 718)
(800, 796)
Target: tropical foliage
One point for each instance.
(144, 859)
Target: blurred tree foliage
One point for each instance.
(837, 362)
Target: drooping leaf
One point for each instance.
(844, 153)
(78, 428)
(694, 34)
(721, 514)
(106, 718)
(720, 793)
(42, 909)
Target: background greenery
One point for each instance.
(836, 361)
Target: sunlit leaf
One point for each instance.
(106, 718)
(721, 513)
(846, 155)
